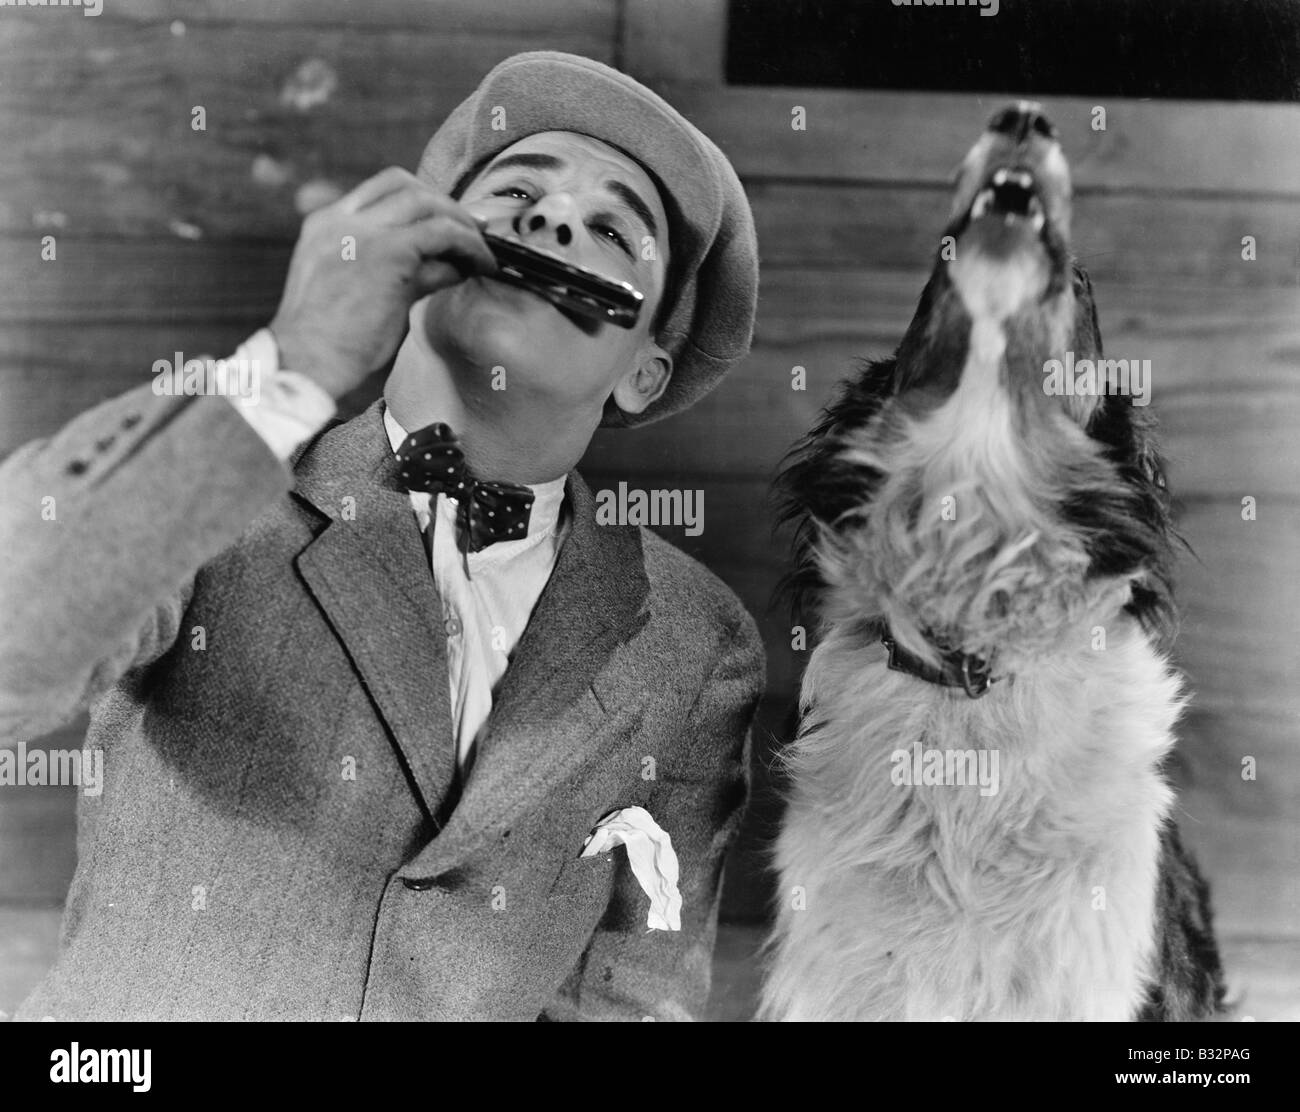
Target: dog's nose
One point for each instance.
(1018, 120)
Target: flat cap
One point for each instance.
(713, 249)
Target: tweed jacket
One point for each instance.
(279, 834)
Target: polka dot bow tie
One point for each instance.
(431, 460)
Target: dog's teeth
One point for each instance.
(1000, 177)
(1036, 214)
(982, 203)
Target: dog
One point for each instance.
(977, 824)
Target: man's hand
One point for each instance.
(341, 317)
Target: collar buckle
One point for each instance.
(980, 683)
(958, 669)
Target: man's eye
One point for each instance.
(513, 191)
(613, 234)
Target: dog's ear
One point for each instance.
(815, 487)
(935, 347)
(1087, 329)
(1147, 455)
(1128, 434)
(1132, 525)
(1129, 526)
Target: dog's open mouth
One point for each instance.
(1011, 195)
(1013, 190)
(1011, 217)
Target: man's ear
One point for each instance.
(645, 383)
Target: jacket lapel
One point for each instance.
(539, 731)
(369, 573)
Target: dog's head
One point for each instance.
(963, 491)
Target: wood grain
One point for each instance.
(555, 18)
(38, 843)
(96, 116)
(29, 942)
(1162, 147)
(1119, 237)
(142, 169)
(666, 41)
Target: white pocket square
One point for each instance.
(650, 853)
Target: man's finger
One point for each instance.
(417, 201)
(441, 237)
(375, 188)
(433, 275)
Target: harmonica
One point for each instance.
(575, 288)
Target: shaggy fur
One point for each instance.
(947, 498)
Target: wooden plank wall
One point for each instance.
(172, 239)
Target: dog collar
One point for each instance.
(957, 669)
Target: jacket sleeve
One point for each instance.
(627, 971)
(103, 526)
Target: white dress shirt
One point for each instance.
(485, 612)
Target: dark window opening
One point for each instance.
(1195, 49)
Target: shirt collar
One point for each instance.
(548, 497)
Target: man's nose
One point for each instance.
(554, 215)
(1021, 120)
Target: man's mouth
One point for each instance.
(1012, 195)
(584, 324)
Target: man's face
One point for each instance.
(587, 202)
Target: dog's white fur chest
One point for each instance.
(904, 901)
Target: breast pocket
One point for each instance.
(588, 879)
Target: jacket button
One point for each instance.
(419, 883)
(452, 626)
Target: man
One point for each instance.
(325, 795)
